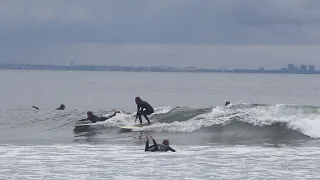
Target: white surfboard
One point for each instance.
(137, 126)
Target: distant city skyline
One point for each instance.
(290, 69)
(206, 33)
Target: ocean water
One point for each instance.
(270, 130)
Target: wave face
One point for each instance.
(237, 121)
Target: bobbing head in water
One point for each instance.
(227, 103)
(62, 107)
(89, 114)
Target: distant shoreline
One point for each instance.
(147, 69)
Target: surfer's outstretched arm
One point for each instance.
(156, 148)
(170, 149)
(147, 145)
(152, 148)
(112, 115)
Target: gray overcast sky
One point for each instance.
(202, 33)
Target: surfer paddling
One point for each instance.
(143, 109)
(93, 118)
(164, 147)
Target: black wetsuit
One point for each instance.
(155, 147)
(96, 118)
(144, 108)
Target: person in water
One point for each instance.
(35, 107)
(164, 147)
(62, 107)
(93, 118)
(143, 109)
(227, 103)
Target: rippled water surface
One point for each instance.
(120, 162)
(270, 130)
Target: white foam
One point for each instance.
(129, 119)
(296, 118)
(131, 162)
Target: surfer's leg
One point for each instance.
(145, 113)
(140, 118)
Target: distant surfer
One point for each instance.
(35, 107)
(164, 147)
(227, 103)
(143, 109)
(62, 107)
(93, 118)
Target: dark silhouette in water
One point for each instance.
(62, 107)
(143, 109)
(227, 103)
(93, 118)
(35, 107)
(164, 147)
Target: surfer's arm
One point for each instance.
(156, 148)
(147, 145)
(172, 150)
(112, 115)
(138, 108)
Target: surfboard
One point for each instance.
(128, 127)
(137, 126)
(83, 123)
(78, 125)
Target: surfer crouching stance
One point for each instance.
(143, 108)
(164, 147)
(93, 118)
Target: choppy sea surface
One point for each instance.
(270, 130)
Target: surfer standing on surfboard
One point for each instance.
(143, 108)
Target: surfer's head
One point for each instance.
(165, 142)
(227, 103)
(137, 99)
(62, 106)
(90, 114)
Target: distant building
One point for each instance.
(291, 68)
(261, 69)
(311, 68)
(71, 64)
(304, 68)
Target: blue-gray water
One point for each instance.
(270, 131)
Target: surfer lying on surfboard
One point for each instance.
(94, 118)
(143, 109)
(164, 147)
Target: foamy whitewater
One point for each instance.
(270, 130)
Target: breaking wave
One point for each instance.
(241, 118)
(254, 120)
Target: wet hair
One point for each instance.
(137, 98)
(89, 113)
(165, 141)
